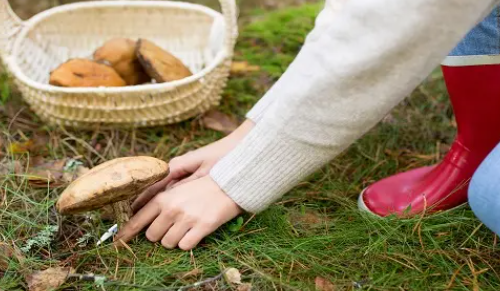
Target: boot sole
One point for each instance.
(362, 207)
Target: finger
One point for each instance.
(194, 236)
(184, 165)
(150, 193)
(159, 227)
(175, 234)
(179, 167)
(194, 176)
(138, 222)
(171, 184)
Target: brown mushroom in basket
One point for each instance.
(114, 183)
(85, 73)
(160, 65)
(120, 54)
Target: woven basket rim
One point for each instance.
(12, 60)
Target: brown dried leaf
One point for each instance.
(323, 284)
(8, 252)
(243, 67)
(306, 218)
(186, 275)
(48, 279)
(219, 121)
(81, 170)
(244, 287)
(46, 171)
(233, 276)
(69, 177)
(10, 167)
(21, 147)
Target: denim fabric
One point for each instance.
(484, 39)
(484, 191)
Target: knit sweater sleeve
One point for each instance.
(341, 84)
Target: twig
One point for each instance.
(14, 118)
(105, 281)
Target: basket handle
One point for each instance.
(10, 25)
(230, 12)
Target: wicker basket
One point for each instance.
(201, 37)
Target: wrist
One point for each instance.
(241, 131)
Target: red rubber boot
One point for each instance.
(473, 84)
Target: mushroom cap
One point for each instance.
(111, 182)
(160, 64)
(120, 54)
(116, 50)
(85, 73)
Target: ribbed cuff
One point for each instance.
(265, 166)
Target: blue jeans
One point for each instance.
(484, 189)
(484, 39)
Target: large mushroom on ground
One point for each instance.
(114, 182)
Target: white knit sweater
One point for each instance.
(361, 60)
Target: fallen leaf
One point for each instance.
(8, 252)
(10, 167)
(40, 172)
(244, 287)
(219, 121)
(193, 273)
(308, 217)
(48, 279)
(70, 176)
(21, 147)
(81, 170)
(232, 276)
(243, 67)
(323, 284)
(237, 225)
(48, 171)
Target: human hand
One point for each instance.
(182, 216)
(195, 164)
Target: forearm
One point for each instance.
(342, 83)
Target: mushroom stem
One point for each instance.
(122, 211)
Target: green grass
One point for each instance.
(315, 231)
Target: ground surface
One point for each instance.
(314, 234)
